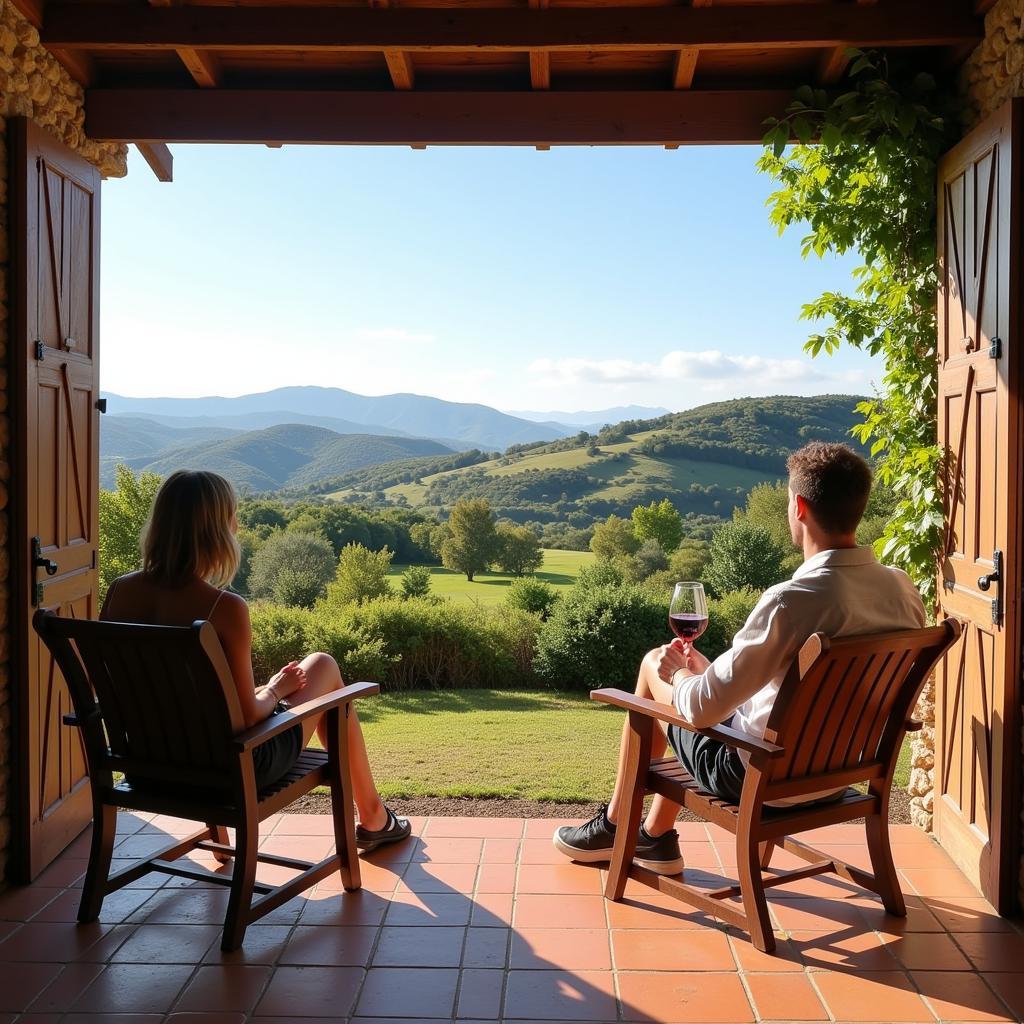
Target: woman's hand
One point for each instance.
(289, 680)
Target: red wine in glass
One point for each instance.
(688, 611)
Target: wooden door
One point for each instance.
(977, 706)
(55, 203)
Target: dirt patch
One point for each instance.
(448, 807)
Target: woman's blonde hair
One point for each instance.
(189, 533)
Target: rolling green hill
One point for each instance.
(704, 460)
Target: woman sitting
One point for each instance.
(189, 553)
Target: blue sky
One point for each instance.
(570, 279)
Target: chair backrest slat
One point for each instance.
(844, 703)
(165, 694)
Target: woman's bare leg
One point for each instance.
(663, 813)
(322, 677)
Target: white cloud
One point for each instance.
(393, 336)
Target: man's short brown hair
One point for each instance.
(834, 480)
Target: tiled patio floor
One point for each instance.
(479, 919)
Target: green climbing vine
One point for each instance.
(862, 177)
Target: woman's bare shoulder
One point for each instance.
(233, 607)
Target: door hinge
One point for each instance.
(995, 348)
(40, 351)
(101, 404)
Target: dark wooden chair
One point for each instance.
(158, 704)
(839, 720)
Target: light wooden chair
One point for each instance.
(158, 703)
(839, 720)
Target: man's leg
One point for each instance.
(663, 813)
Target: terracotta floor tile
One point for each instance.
(569, 949)
(566, 879)
(924, 951)
(538, 911)
(303, 825)
(346, 909)
(419, 947)
(960, 996)
(967, 914)
(311, 992)
(134, 988)
(430, 877)
(311, 848)
(262, 946)
(640, 949)
(681, 996)
(486, 947)
(785, 997)
(382, 878)
(938, 882)
(91, 1018)
(393, 853)
(67, 871)
(993, 951)
(428, 908)
(22, 983)
(785, 959)
(22, 902)
(62, 993)
(919, 918)
(845, 950)
(408, 992)
(167, 944)
(474, 828)
(1010, 989)
(871, 996)
(480, 994)
(653, 910)
(53, 942)
(225, 989)
(815, 915)
(496, 878)
(449, 850)
(541, 851)
(330, 947)
(543, 828)
(921, 855)
(492, 910)
(185, 906)
(704, 855)
(188, 1017)
(501, 851)
(560, 995)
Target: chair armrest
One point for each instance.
(275, 724)
(913, 725)
(666, 713)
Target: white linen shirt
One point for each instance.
(842, 592)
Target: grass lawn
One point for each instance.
(532, 745)
(488, 588)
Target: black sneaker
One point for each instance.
(593, 842)
(394, 831)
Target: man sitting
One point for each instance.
(840, 590)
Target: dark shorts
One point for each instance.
(277, 756)
(715, 767)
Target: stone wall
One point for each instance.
(32, 84)
(994, 72)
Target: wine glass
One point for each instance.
(688, 611)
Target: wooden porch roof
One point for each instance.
(513, 72)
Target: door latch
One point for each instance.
(986, 581)
(39, 561)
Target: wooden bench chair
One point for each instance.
(839, 720)
(158, 704)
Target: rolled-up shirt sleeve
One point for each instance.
(761, 650)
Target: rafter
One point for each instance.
(835, 61)
(100, 27)
(159, 158)
(540, 60)
(420, 118)
(201, 66)
(400, 67)
(685, 66)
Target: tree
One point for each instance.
(741, 556)
(123, 514)
(689, 560)
(292, 568)
(658, 521)
(768, 507)
(361, 575)
(519, 550)
(253, 514)
(472, 542)
(648, 559)
(339, 524)
(416, 582)
(612, 538)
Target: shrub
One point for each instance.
(518, 550)
(416, 582)
(689, 561)
(362, 575)
(725, 616)
(612, 538)
(123, 514)
(743, 555)
(292, 568)
(596, 636)
(598, 574)
(278, 636)
(532, 595)
(648, 559)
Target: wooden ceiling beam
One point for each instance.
(835, 61)
(103, 27)
(159, 158)
(685, 66)
(400, 66)
(540, 60)
(419, 118)
(201, 66)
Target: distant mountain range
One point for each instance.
(594, 419)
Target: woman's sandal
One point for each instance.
(394, 831)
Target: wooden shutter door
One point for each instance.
(55, 201)
(977, 704)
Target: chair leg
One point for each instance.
(887, 883)
(219, 834)
(631, 805)
(243, 878)
(755, 906)
(342, 811)
(765, 851)
(104, 828)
